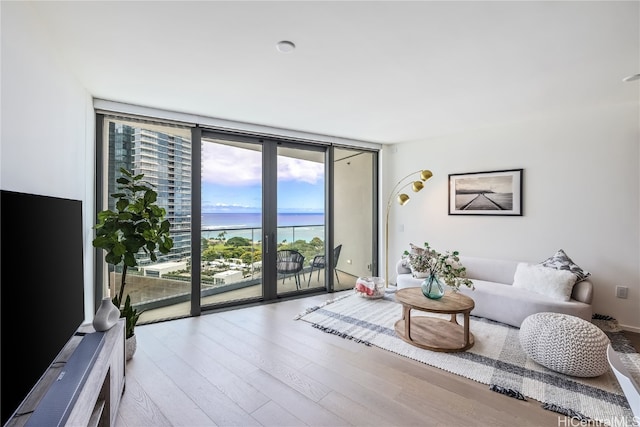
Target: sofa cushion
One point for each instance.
(491, 270)
(553, 283)
(506, 304)
(561, 261)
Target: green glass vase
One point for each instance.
(432, 287)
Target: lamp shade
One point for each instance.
(417, 186)
(425, 175)
(403, 199)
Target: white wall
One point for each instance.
(581, 194)
(47, 133)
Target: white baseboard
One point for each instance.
(630, 329)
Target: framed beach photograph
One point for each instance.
(486, 193)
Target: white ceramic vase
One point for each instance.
(106, 316)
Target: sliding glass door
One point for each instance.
(301, 190)
(262, 211)
(231, 215)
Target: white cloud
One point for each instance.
(234, 166)
(208, 207)
(290, 169)
(230, 205)
(226, 165)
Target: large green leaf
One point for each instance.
(119, 249)
(130, 259)
(112, 259)
(103, 242)
(125, 216)
(102, 216)
(122, 204)
(150, 196)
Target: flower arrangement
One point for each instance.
(446, 266)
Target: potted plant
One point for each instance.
(137, 224)
(436, 268)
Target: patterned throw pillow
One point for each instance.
(417, 250)
(414, 250)
(561, 261)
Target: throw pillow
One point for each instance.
(417, 250)
(561, 261)
(553, 283)
(414, 250)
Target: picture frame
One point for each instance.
(493, 193)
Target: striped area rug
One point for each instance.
(496, 359)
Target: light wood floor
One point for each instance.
(258, 366)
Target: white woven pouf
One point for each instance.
(566, 344)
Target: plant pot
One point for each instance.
(130, 345)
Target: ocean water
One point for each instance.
(291, 226)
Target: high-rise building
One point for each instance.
(165, 161)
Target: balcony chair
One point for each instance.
(290, 262)
(319, 263)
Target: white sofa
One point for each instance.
(496, 299)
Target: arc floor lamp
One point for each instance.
(402, 199)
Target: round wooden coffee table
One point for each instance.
(430, 332)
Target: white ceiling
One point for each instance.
(375, 71)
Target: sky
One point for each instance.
(232, 181)
(497, 184)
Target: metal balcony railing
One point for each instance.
(168, 281)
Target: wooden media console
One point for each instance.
(82, 386)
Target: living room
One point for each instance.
(571, 125)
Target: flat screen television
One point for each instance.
(41, 288)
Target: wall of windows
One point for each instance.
(226, 272)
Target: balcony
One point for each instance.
(163, 290)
